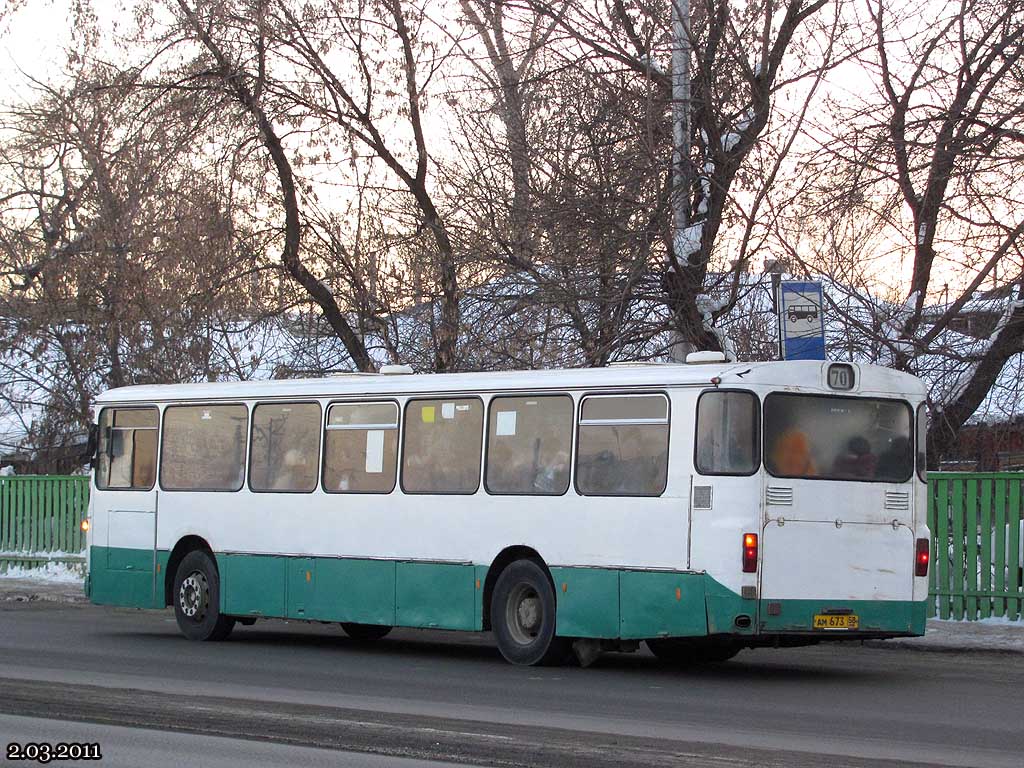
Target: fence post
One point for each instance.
(1013, 605)
(942, 546)
(985, 604)
(971, 579)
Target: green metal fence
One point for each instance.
(977, 547)
(40, 520)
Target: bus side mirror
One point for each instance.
(92, 445)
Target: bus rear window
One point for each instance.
(838, 438)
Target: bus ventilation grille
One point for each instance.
(897, 500)
(702, 497)
(779, 497)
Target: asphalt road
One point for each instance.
(129, 678)
(126, 747)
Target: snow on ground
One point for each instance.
(52, 573)
(994, 634)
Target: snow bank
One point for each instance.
(52, 572)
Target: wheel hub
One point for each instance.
(194, 596)
(529, 614)
(524, 614)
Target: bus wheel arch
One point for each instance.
(185, 545)
(505, 558)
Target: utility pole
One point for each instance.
(680, 143)
(680, 117)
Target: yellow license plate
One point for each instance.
(837, 621)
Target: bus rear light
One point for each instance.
(750, 553)
(85, 525)
(921, 556)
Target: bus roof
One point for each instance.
(804, 375)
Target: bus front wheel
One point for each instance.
(523, 616)
(197, 599)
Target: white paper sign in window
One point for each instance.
(374, 451)
(506, 423)
(447, 410)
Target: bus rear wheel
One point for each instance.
(684, 652)
(197, 599)
(365, 633)
(523, 616)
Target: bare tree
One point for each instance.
(247, 89)
(115, 245)
(931, 160)
(742, 58)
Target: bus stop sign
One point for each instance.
(801, 321)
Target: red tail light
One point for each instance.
(921, 556)
(750, 553)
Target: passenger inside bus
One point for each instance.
(791, 454)
(857, 460)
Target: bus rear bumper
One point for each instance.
(856, 619)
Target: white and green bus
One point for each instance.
(702, 507)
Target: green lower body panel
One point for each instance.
(898, 617)
(587, 602)
(123, 577)
(253, 585)
(629, 604)
(724, 607)
(435, 595)
(359, 591)
(605, 603)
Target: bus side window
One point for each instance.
(361, 448)
(727, 433)
(623, 445)
(285, 447)
(127, 449)
(204, 447)
(529, 441)
(443, 441)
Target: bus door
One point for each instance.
(124, 508)
(838, 509)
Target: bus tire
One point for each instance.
(682, 652)
(523, 616)
(365, 633)
(197, 599)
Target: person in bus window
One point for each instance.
(857, 460)
(791, 454)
